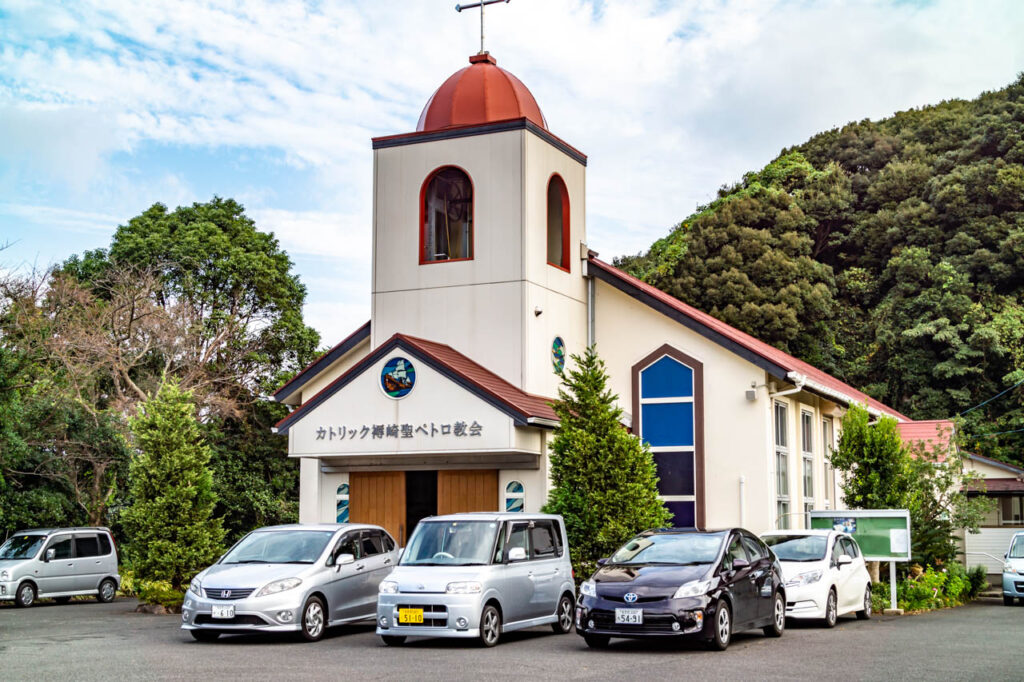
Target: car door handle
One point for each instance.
(360, 567)
(387, 562)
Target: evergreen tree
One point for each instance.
(171, 532)
(603, 478)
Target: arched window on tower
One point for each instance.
(558, 223)
(447, 218)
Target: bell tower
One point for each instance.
(478, 220)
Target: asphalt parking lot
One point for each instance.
(90, 641)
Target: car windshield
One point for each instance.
(450, 543)
(279, 547)
(798, 547)
(1017, 548)
(21, 547)
(670, 548)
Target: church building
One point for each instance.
(483, 285)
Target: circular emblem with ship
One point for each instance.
(558, 354)
(397, 377)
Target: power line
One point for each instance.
(992, 398)
(998, 433)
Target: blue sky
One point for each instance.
(108, 107)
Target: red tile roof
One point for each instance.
(929, 432)
(519, 404)
(748, 342)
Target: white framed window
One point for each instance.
(515, 496)
(341, 504)
(807, 452)
(827, 444)
(782, 465)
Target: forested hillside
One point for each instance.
(890, 253)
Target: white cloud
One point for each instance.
(670, 100)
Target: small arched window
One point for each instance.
(515, 496)
(447, 216)
(558, 223)
(341, 504)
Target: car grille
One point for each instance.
(207, 619)
(641, 599)
(1019, 586)
(653, 622)
(434, 616)
(228, 592)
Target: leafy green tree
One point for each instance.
(171, 529)
(875, 461)
(604, 482)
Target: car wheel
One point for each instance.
(26, 595)
(107, 591)
(204, 635)
(831, 610)
(778, 624)
(1007, 601)
(865, 613)
(490, 626)
(597, 641)
(313, 619)
(62, 600)
(566, 607)
(393, 640)
(721, 632)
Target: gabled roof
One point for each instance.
(774, 361)
(928, 432)
(524, 408)
(322, 363)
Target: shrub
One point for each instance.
(159, 592)
(979, 580)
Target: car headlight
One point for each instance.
(588, 588)
(4, 575)
(1007, 568)
(388, 587)
(806, 578)
(279, 586)
(196, 587)
(694, 588)
(464, 587)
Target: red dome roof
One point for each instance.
(480, 93)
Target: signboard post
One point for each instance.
(883, 534)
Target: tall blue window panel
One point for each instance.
(667, 425)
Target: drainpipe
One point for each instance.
(798, 379)
(590, 312)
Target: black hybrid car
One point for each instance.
(684, 583)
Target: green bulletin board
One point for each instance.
(883, 534)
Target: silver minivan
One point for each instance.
(59, 563)
(478, 575)
(294, 578)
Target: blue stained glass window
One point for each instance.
(667, 424)
(341, 505)
(666, 378)
(515, 496)
(684, 514)
(675, 473)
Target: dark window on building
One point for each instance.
(447, 216)
(558, 223)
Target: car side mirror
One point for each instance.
(343, 559)
(517, 554)
(738, 564)
(844, 560)
(51, 554)
(602, 562)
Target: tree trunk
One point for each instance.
(873, 571)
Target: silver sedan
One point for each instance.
(295, 578)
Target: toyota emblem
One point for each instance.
(226, 594)
(630, 597)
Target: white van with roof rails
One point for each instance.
(479, 574)
(58, 563)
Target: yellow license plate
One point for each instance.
(410, 615)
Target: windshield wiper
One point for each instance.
(248, 561)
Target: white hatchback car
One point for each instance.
(824, 572)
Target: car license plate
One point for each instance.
(410, 615)
(223, 612)
(629, 616)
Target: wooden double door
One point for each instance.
(397, 500)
